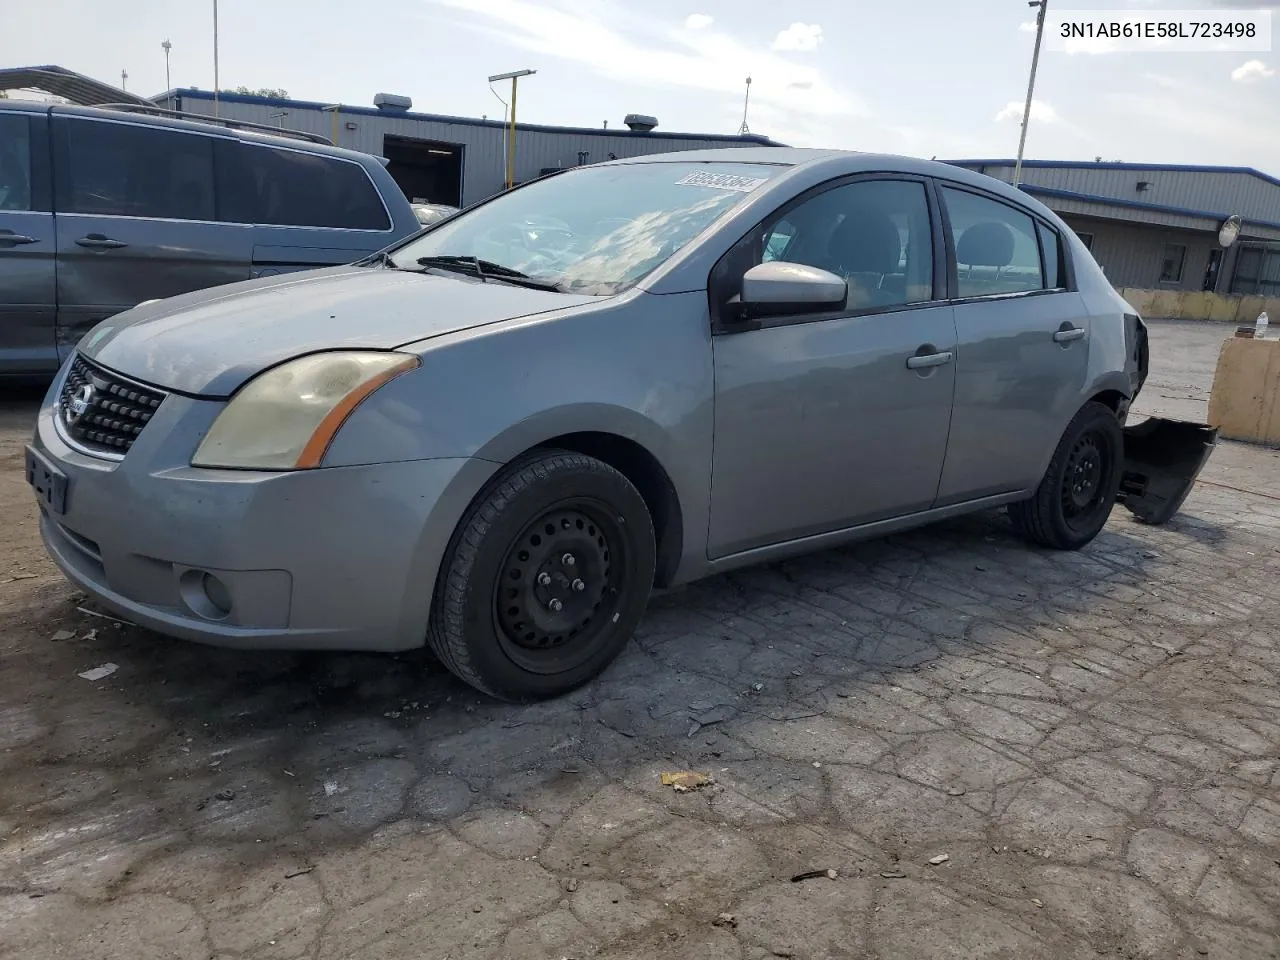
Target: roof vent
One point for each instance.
(392, 102)
(639, 123)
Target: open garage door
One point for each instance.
(426, 170)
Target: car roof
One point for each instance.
(785, 156)
(836, 163)
(194, 125)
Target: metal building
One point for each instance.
(453, 160)
(1155, 226)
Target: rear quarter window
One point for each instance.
(283, 187)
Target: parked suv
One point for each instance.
(101, 210)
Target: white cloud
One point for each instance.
(1251, 70)
(698, 21)
(1200, 126)
(1164, 80)
(1040, 111)
(629, 46)
(799, 36)
(1027, 26)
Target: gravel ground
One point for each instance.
(1001, 752)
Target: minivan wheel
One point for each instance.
(545, 579)
(1074, 500)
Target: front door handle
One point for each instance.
(10, 239)
(920, 361)
(1068, 334)
(101, 242)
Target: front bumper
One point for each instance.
(335, 558)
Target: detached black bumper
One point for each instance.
(1162, 459)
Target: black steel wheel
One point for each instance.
(1074, 500)
(560, 585)
(545, 579)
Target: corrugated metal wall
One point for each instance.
(1214, 192)
(1133, 255)
(484, 162)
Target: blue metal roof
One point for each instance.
(1136, 204)
(1118, 165)
(346, 110)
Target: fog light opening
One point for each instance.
(205, 595)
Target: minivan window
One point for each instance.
(265, 185)
(130, 170)
(594, 230)
(996, 249)
(15, 162)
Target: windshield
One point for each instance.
(597, 230)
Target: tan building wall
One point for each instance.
(1194, 305)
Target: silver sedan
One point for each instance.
(496, 437)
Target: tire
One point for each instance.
(556, 527)
(1074, 500)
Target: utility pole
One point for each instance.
(511, 133)
(124, 80)
(334, 108)
(746, 102)
(166, 46)
(1031, 86)
(215, 58)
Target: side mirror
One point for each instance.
(778, 288)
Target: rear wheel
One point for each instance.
(1074, 500)
(545, 579)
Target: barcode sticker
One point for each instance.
(722, 181)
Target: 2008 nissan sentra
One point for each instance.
(498, 436)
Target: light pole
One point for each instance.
(215, 57)
(124, 80)
(166, 46)
(1031, 86)
(333, 108)
(746, 102)
(514, 77)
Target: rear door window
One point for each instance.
(130, 170)
(281, 187)
(996, 248)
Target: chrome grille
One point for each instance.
(103, 411)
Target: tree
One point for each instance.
(276, 93)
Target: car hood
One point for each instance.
(211, 341)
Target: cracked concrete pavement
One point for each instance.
(1092, 739)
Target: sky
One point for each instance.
(943, 78)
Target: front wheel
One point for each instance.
(1074, 500)
(545, 579)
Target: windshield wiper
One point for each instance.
(487, 269)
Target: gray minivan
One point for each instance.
(101, 210)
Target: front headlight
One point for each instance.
(285, 418)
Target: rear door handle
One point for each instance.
(8, 239)
(920, 361)
(1068, 335)
(101, 242)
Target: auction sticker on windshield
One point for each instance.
(722, 181)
